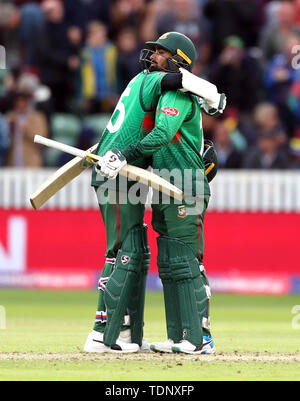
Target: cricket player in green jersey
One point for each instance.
(123, 280)
(176, 143)
(127, 254)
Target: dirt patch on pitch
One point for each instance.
(152, 357)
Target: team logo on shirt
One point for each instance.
(181, 212)
(170, 111)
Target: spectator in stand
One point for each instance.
(128, 53)
(25, 122)
(267, 121)
(98, 71)
(293, 101)
(154, 8)
(295, 150)
(236, 129)
(58, 60)
(4, 139)
(185, 16)
(228, 155)
(236, 73)
(267, 154)
(269, 13)
(297, 18)
(232, 17)
(79, 13)
(281, 80)
(274, 36)
(20, 27)
(128, 13)
(7, 85)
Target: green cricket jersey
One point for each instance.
(176, 141)
(133, 117)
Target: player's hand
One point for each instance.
(216, 109)
(110, 165)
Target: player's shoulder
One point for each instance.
(154, 75)
(147, 78)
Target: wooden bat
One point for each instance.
(58, 180)
(81, 162)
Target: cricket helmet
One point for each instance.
(182, 48)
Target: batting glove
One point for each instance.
(111, 163)
(215, 109)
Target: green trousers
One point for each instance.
(184, 222)
(119, 217)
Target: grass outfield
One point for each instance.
(45, 333)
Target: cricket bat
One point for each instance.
(72, 169)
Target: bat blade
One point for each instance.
(151, 180)
(58, 180)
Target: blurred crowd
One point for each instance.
(68, 61)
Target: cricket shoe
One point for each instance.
(186, 347)
(123, 348)
(165, 347)
(125, 336)
(94, 344)
(208, 345)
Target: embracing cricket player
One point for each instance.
(154, 124)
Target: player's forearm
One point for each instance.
(171, 82)
(189, 82)
(153, 142)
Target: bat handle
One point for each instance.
(92, 159)
(59, 146)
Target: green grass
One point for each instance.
(46, 331)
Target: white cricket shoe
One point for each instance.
(123, 348)
(186, 347)
(94, 344)
(125, 336)
(145, 347)
(166, 346)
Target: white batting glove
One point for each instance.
(110, 165)
(214, 109)
(218, 107)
